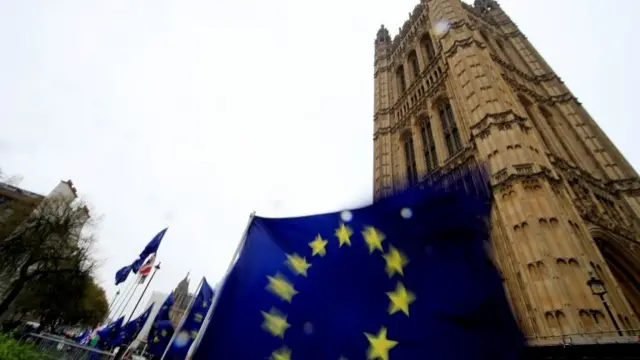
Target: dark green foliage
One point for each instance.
(12, 349)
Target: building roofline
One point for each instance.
(20, 191)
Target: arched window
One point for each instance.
(427, 45)
(449, 128)
(413, 62)
(410, 157)
(402, 84)
(429, 144)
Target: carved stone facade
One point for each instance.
(460, 84)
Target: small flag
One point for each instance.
(145, 269)
(132, 328)
(151, 248)
(83, 338)
(109, 333)
(122, 274)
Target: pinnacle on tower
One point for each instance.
(383, 36)
(485, 5)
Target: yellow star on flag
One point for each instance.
(281, 287)
(197, 317)
(156, 340)
(379, 345)
(164, 333)
(298, 264)
(374, 238)
(275, 322)
(344, 234)
(396, 261)
(194, 334)
(318, 246)
(281, 354)
(400, 299)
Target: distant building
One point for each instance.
(183, 299)
(13, 198)
(17, 204)
(461, 84)
(181, 303)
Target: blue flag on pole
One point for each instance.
(122, 274)
(83, 338)
(109, 333)
(151, 248)
(159, 337)
(405, 278)
(161, 330)
(192, 323)
(132, 328)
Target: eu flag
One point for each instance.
(405, 278)
(132, 328)
(159, 337)
(189, 329)
(122, 274)
(161, 330)
(83, 338)
(108, 334)
(151, 248)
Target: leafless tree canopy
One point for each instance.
(54, 238)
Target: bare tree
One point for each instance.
(10, 179)
(54, 239)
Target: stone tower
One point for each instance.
(462, 84)
(182, 300)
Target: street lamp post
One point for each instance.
(597, 288)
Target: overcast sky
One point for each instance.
(192, 113)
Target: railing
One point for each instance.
(60, 348)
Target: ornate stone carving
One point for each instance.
(560, 188)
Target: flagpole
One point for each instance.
(112, 305)
(183, 318)
(125, 293)
(124, 308)
(216, 296)
(123, 299)
(113, 301)
(156, 268)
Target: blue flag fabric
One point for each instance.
(83, 338)
(163, 313)
(151, 248)
(192, 323)
(109, 333)
(159, 337)
(161, 330)
(122, 274)
(135, 266)
(132, 328)
(405, 278)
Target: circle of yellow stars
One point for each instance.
(400, 299)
